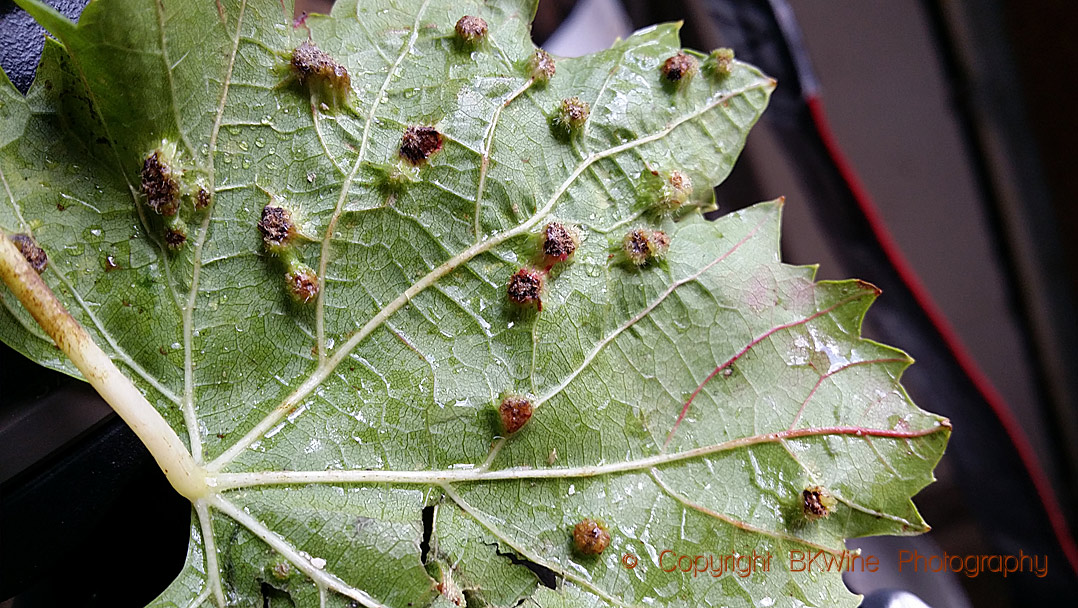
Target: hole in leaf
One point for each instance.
(428, 530)
(546, 576)
(273, 597)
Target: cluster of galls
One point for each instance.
(679, 69)
(279, 235)
(327, 80)
(590, 537)
(165, 185)
(557, 244)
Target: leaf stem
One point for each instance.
(165, 446)
(230, 481)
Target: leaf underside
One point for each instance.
(685, 403)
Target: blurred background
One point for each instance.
(923, 145)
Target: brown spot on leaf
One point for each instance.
(175, 236)
(29, 249)
(677, 191)
(281, 570)
(720, 62)
(590, 537)
(419, 143)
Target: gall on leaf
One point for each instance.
(419, 143)
(302, 282)
(515, 411)
(642, 245)
(571, 115)
(676, 191)
(558, 242)
(277, 228)
(471, 31)
(590, 537)
(202, 198)
(817, 503)
(679, 69)
(160, 182)
(30, 250)
(526, 288)
(720, 63)
(175, 232)
(327, 80)
(541, 66)
(281, 570)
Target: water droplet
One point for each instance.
(260, 142)
(243, 146)
(176, 346)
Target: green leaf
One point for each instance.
(687, 403)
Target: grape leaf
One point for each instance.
(708, 401)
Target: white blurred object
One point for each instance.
(899, 599)
(592, 26)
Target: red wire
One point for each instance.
(950, 338)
